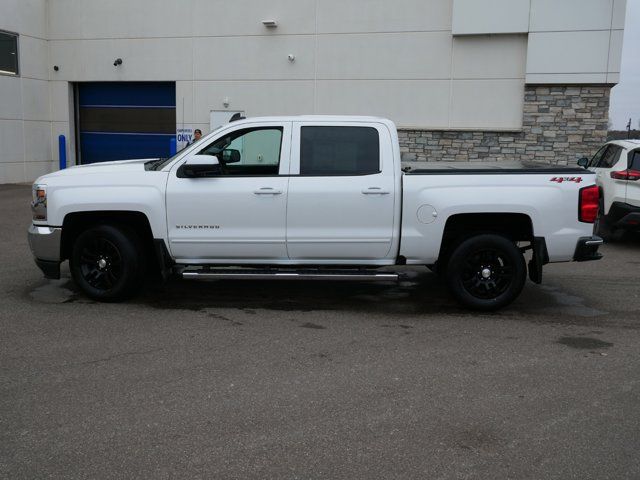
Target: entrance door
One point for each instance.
(239, 215)
(125, 120)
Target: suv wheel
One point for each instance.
(107, 263)
(486, 272)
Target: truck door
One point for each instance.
(342, 193)
(239, 214)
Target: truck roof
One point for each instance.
(315, 118)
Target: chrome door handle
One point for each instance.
(267, 191)
(375, 191)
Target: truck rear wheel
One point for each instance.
(107, 263)
(486, 272)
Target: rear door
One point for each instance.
(342, 193)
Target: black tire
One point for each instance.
(107, 263)
(486, 272)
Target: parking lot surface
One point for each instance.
(238, 379)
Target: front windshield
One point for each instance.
(162, 162)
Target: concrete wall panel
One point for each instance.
(27, 17)
(385, 56)
(568, 15)
(254, 58)
(244, 17)
(619, 11)
(258, 98)
(143, 59)
(568, 52)
(12, 141)
(367, 16)
(35, 100)
(566, 78)
(495, 56)
(615, 51)
(34, 58)
(12, 172)
(37, 141)
(423, 103)
(10, 97)
(487, 104)
(95, 19)
(472, 17)
(60, 93)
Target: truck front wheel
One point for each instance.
(107, 263)
(486, 272)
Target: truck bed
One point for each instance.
(487, 168)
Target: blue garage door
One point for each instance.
(122, 120)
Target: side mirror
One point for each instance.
(199, 166)
(231, 156)
(583, 162)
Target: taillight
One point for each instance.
(588, 204)
(632, 175)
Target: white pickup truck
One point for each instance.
(309, 197)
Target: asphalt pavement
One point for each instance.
(318, 380)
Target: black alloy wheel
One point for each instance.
(107, 262)
(486, 272)
(101, 263)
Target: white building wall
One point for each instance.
(25, 116)
(575, 41)
(427, 64)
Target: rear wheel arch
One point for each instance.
(517, 227)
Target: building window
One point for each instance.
(8, 53)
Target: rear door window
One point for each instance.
(339, 151)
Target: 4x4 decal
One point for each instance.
(566, 179)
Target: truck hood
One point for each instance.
(120, 166)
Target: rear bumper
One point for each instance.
(623, 215)
(587, 249)
(45, 245)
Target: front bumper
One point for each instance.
(45, 245)
(587, 249)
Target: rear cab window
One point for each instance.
(339, 150)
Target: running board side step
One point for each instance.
(248, 274)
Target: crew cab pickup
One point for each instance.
(310, 197)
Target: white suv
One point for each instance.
(617, 169)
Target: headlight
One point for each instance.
(39, 202)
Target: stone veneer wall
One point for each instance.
(560, 125)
